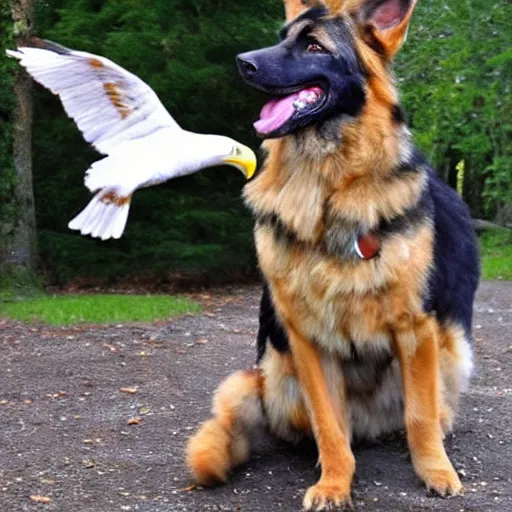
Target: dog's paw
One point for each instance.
(443, 481)
(328, 496)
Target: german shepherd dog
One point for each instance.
(370, 261)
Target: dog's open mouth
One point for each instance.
(278, 111)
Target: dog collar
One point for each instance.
(367, 246)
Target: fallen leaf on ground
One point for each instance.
(48, 481)
(202, 341)
(131, 391)
(40, 499)
(135, 421)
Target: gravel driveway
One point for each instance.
(96, 419)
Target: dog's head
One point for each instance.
(321, 69)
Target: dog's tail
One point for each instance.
(224, 441)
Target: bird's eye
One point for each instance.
(315, 48)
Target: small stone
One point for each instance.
(36, 498)
(130, 391)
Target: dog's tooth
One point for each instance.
(309, 96)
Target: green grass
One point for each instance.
(496, 251)
(18, 283)
(96, 309)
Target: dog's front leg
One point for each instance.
(418, 351)
(329, 427)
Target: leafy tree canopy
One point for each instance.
(454, 77)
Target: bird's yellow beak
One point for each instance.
(243, 158)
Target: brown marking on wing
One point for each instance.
(95, 63)
(112, 198)
(116, 97)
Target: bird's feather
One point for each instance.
(108, 104)
(123, 118)
(105, 216)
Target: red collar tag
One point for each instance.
(367, 246)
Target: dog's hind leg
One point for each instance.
(224, 441)
(456, 361)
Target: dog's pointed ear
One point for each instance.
(387, 22)
(295, 7)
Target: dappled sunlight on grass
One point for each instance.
(97, 309)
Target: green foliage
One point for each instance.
(97, 309)
(186, 51)
(8, 208)
(17, 282)
(496, 250)
(455, 75)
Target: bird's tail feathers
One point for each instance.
(105, 216)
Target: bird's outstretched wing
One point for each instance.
(108, 104)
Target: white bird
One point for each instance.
(122, 117)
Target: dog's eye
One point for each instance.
(315, 48)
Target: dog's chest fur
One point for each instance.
(340, 302)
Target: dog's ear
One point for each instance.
(386, 21)
(295, 7)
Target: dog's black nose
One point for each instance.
(246, 64)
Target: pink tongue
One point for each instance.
(275, 113)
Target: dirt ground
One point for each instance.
(68, 396)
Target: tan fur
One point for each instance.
(223, 442)
(294, 7)
(331, 306)
(329, 424)
(422, 391)
(282, 397)
(456, 366)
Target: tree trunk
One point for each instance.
(18, 258)
(22, 248)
